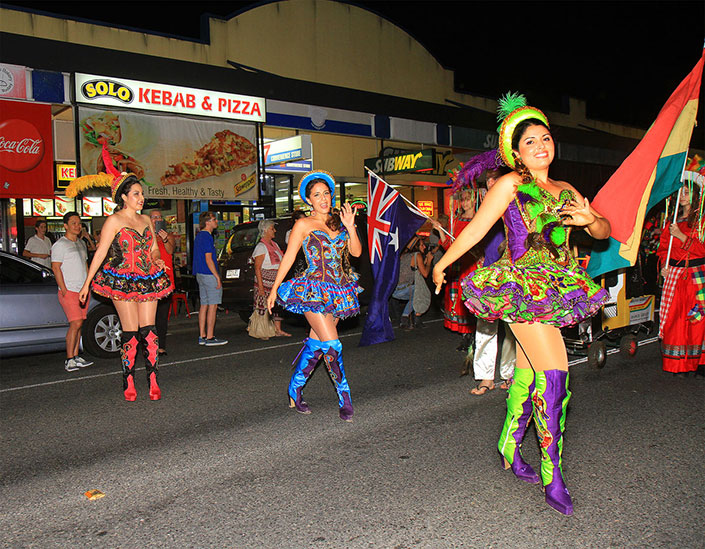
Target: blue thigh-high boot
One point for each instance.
(304, 365)
(333, 359)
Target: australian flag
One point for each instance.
(390, 227)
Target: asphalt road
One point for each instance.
(221, 461)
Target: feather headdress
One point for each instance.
(113, 179)
(466, 174)
(512, 110)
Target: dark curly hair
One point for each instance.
(519, 131)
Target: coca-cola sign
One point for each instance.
(26, 150)
(21, 145)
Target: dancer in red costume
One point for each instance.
(682, 312)
(456, 316)
(133, 276)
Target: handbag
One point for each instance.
(261, 326)
(422, 295)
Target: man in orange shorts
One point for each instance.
(69, 258)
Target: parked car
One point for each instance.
(32, 321)
(237, 270)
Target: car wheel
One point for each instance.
(101, 332)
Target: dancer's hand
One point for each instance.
(271, 300)
(159, 264)
(347, 216)
(439, 279)
(578, 214)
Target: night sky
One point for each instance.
(623, 58)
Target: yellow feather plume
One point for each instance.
(84, 182)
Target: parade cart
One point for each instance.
(617, 325)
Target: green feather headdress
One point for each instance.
(512, 110)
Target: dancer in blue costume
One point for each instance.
(537, 287)
(326, 291)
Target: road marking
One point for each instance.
(246, 351)
(162, 364)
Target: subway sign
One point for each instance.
(411, 162)
(121, 92)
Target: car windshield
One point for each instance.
(14, 271)
(243, 239)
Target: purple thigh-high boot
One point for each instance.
(304, 365)
(519, 411)
(550, 403)
(334, 364)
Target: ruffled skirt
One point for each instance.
(303, 294)
(535, 291)
(127, 286)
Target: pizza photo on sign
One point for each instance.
(225, 152)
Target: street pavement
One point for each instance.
(221, 461)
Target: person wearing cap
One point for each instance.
(127, 268)
(326, 291)
(537, 287)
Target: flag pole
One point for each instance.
(675, 208)
(410, 203)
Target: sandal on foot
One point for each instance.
(481, 389)
(506, 384)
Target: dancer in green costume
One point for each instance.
(537, 286)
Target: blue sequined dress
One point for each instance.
(328, 285)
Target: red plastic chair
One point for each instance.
(175, 298)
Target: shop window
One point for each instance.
(282, 184)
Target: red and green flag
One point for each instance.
(649, 174)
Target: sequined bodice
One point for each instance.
(130, 251)
(533, 222)
(326, 256)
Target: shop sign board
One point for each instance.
(408, 162)
(65, 173)
(64, 205)
(172, 156)
(134, 94)
(26, 145)
(290, 149)
(92, 206)
(425, 206)
(13, 81)
(43, 207)
(300, 166)
(108, 206)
